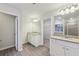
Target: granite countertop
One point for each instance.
(74, 40)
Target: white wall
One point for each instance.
(27, 25)
(13, 11)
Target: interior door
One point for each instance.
(7, 31)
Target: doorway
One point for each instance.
(46, 31)
(7, 31)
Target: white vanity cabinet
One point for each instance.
(63, 48)
(34, 39)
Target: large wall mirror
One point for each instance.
(71, 26)
(67, 23)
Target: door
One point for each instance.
(46, 31)
(47, 28)
(7, 31)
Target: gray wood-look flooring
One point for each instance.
(28, 50)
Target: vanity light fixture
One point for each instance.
(69, 9)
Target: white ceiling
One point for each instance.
(38, 8)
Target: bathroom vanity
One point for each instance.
(65, 38)
(62, 46)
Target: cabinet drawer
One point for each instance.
(65, 43)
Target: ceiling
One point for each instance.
(36, 8)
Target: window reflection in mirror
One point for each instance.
(58, 25)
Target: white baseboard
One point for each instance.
(7, 47)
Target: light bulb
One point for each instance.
(67, 11)
(62, 12)
(72, 9)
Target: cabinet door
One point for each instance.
(52, 52)
(57, 50)
(71, 51)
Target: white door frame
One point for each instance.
(16, 31)
(17, 34)
(42, 42)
